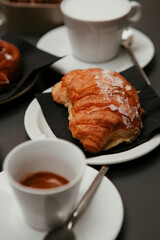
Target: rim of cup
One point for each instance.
(113, 20)
(37, 191)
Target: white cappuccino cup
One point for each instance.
(45, 208)
(95, 26)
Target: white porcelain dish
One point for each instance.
(103, 218)
(57, 42)
(37, 127)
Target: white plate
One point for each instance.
(37, 127)
(57, 42)
(102, 220)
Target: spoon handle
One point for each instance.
(87, 196)
(137, 65)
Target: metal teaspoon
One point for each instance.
(126, 42)
(65, 232)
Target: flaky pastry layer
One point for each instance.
(104, 109)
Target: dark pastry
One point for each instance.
(10, 65)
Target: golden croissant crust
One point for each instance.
(104, 109)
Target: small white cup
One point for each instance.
(44, 209)
(95, 26)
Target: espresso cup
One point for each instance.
(44, 209)
(95, 26)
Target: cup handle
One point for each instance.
(135, 13)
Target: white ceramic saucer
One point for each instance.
(57, 42)
(102, 220)
(37, 128)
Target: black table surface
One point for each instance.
(138, 180)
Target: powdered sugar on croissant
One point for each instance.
(104, 109)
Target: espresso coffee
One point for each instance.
(43, 180)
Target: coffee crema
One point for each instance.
(43, 180)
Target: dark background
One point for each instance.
(137, 181)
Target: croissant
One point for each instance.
(104, 109)
(10, 65)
